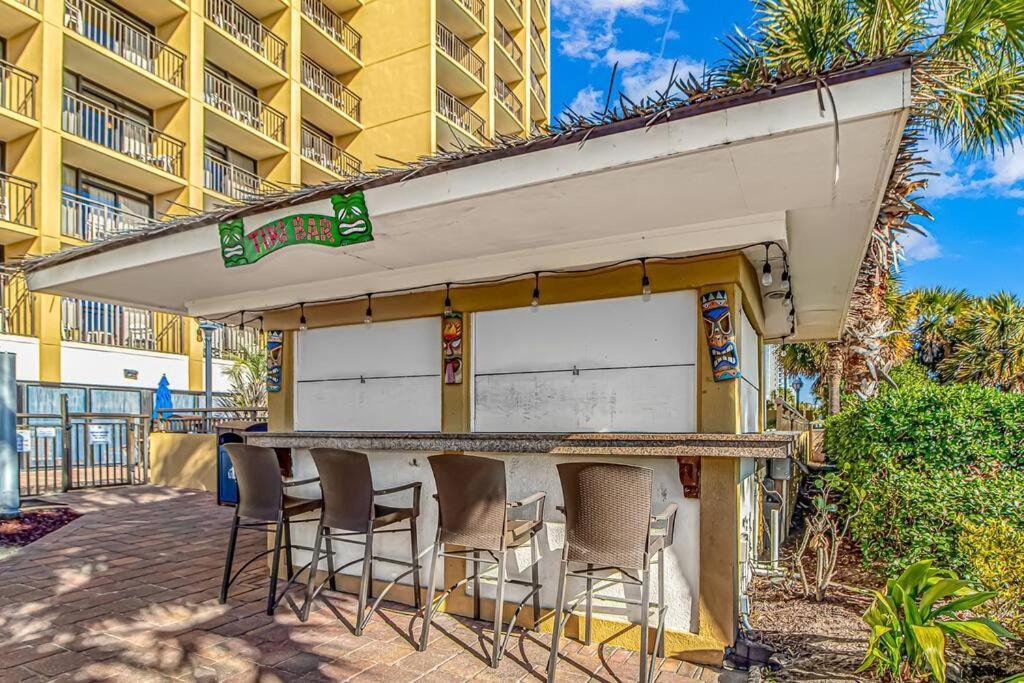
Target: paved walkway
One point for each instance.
(128, 592)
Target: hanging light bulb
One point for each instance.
(448, 299)
(766, 271)
(261, 324)
(302, 318)
(368, 318)
(535, 301)
(789, 295)
(785, 274)
(791, 317)
(645, 282)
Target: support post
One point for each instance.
(208, 328)
(65, 443)
(10, 467)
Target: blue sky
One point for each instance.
(977, 238)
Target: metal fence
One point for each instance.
(324, 152)
(247, 29)
(19, 89)
(205, 420)
(324, 84)
(460, 51)
(17, 200)
(333, 25)
(17, 310)
(88, 219)
(243, 106)
(459, 113)
(94, 322)
(234, 182)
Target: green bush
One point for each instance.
(930, 459)
(997, 560)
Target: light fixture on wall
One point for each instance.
(368, 318)
(448, 299)
(766, 271)
(302, 318)
(535, 301)
(645, 282)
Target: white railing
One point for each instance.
(94, 322)
(316, 147)
(324, 84)
(332, 24)
(459, 113)
(460, 51)
(243, 106)
(247, 29)
(86, 219)
(508, 44)
(232, 181)
(508, 98)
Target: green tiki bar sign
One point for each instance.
(350, 224)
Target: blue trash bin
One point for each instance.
(227, 485)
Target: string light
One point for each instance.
(241, 323)
(766, 271)
(645, 282)
(448, 299)
(261, 324)
(368, 318)
(535, 301)
(302, 318)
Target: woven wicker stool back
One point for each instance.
(607, 513)
(347, 488)
(258, 473)
(471, 498)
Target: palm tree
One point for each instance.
(247, 376)
(990, 347)
(968, 76)
(936, 331)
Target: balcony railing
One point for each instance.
(538, 89)
(517, 5)
(19, 89)
(17, 200)
(112, 325)
(320, 81)
(324, 152)
(243, 106)
(230, 340)
(31, 4)
(542, 5)
(105, 28)
(460, 52)
(332, 24)
(508, 98)
(456, 111)
(104, 126)
(246, 29)
(508, 44)
(86, 219)
(17, 314)
(538, 42)
(234, 182)
(474, 7)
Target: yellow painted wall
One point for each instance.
(183, 460)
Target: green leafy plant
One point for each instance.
(824, 529)
(911, 621)
(997, 561)
(247, 376)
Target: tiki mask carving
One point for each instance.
(720, 335)
(451, 347)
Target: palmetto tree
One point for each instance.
(939, 319)
(989, 345)
(968, 80)
(247, 376)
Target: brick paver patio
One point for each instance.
(128, 592)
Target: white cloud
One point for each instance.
(918, 247)
(625, 58)
(1001, 175)
(587, 101)
(590, 24)
(653, 76)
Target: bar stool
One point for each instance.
(473, 513)
(262, 504)
(609, 529)
(348, 505)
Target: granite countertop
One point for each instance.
(649, 445)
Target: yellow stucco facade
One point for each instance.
(172, 106)
(718, 411)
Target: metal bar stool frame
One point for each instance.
(661, 534)
(325, 536)
(282, 533)
(497, 558)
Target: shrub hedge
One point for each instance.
(932, 460)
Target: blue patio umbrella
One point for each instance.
(162, 400)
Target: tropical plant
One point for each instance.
(247, 376)
(911, 621)
(968, 77)
(997, 560)
(824, 530)
(989, 345)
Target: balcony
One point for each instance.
(540, 96)
(460, 70)
(509, 12)
(541, 10)
(227, 341)
(233, 182)
(241, 120)
(237, 38)
(508, 115)
(508, 56)
(325, 154)
(538, 54)
(129, 59)
(86, 219)
(92, 322)
(467, 18)
(459, 124)
(17, 208)
(135, 146)
(17, 315)
(329, 39)
(17, 101)
(17, 16)
(327, 103)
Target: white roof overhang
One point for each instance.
(721, 180)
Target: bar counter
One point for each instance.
(769, 445)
